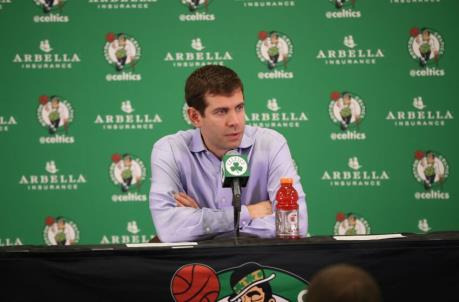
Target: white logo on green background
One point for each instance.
(60, 231)
(355, 176)
(236, 165)
(423, 116)
(127, 120)
(423, 225)
(274, 49)
(6, 122)
(267, 3)
(200, 55)
(275, 117)
(122, 51)
(351, 224)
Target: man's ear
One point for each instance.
(194, 116)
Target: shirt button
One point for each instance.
(208, 229)
(223, 199)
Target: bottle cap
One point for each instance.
(286, 181)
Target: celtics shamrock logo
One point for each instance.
(236, 165)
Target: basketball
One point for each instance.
(195, 283)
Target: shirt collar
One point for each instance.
(197, 144)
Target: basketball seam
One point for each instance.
(199, 291)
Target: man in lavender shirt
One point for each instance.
(187, 200)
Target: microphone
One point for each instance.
(235, 174)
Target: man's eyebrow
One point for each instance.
(220, 108)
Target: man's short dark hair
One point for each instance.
(210, 79)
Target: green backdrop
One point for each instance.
(369, 174)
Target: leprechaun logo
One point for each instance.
(60, 231)
(52, 10)
(247, 282)
(275, 50)
(351, 224)
(128, 172)
(343, 9)
(123, 53)
(198, 11)
(431, 170)
(55, 114)
(347, 110)
(426, 46)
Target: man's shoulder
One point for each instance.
(181, 138)
(264, 135)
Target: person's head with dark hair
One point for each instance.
(343, 283)
(215, 98)
(210, 80)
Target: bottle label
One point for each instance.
(287, 223)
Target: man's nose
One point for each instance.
(232, 118)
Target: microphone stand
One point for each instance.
(236, 188)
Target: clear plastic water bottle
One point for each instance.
(287, 214)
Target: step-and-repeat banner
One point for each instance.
(364, 91)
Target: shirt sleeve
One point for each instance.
(173, 223)
(280, 165)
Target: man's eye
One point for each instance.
(240, 108)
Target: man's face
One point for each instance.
(222, 125)
(430, 159)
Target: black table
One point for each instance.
(414, 268)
